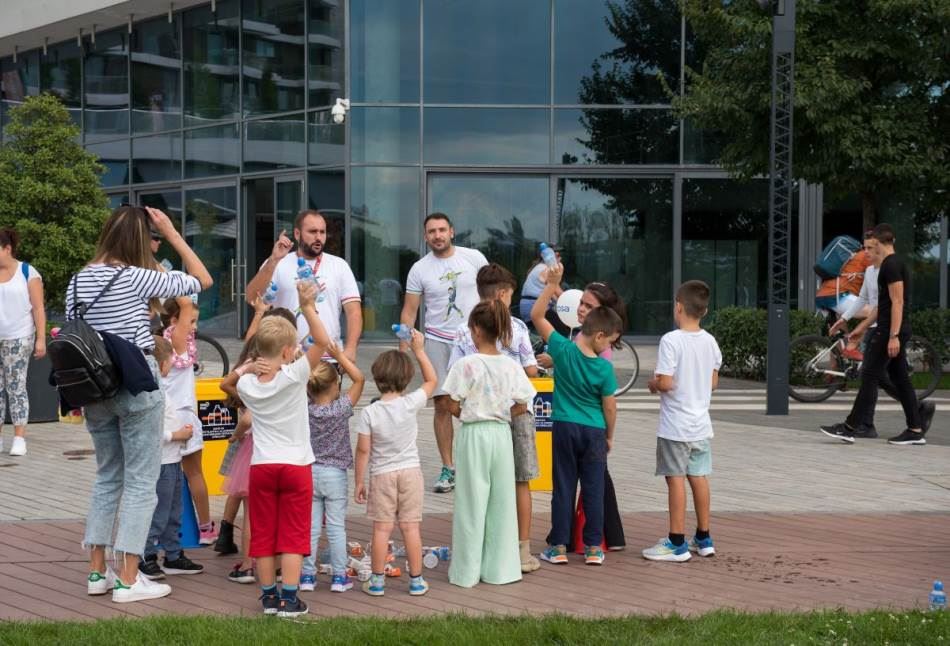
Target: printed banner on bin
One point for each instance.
(218, 421)
(542, 411)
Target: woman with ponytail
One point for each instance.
(486, 389)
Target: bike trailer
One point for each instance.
(835, 254)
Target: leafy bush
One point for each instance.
(934, 325)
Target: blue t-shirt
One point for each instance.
(580, 383)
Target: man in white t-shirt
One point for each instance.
(445, 279)
(339, 289)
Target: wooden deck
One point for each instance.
(765, 561)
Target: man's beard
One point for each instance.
(308, 251)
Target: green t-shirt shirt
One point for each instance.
(579, 383)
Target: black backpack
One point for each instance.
(83, 371)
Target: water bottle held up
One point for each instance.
(304, 271)
(306, 343)
(270, 294)
(938, 598)
(402, 331)
(548, 257)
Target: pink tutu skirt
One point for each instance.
(236, 484)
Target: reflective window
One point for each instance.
(156, 158)
(117, 199)
(384, 135)
(384, 50)
(917, 229)
(326, 192)
(168, 201)
(327, 140)
(213, 151)
(614, 52)
(114, 155)
(107, 86)
(289, 195)
(725, 239)
(701, 146)
(211, 53)
(273, 64)
(274, 143)
(156, 76)
(325, 39)
(211, 230)
(616, 137)
(386, 226)
(20, 80)
(61, 74)
(486, 136)
(491, 51)
(619, 231)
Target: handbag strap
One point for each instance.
(81, 309)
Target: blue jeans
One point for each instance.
(579, 453)
(127, 435)
(329, 497)
(166, 521)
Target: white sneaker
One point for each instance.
(18, 447)
(99, 584)
(141, 590)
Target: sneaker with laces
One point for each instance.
(664, 550)
(865, 432)
(308, 582)
(18, 447)
(556, 554)
(418, 586)
(182, 565)
(446, 481)
(908, 437)
(207, 534)
(148, 567)
(141, 590)
(839, 432)
(375, 585)
(241, 576)
(99, 583)
(593, 555)
(270, 603)
(703, 547)
(340, 583)
(290, 609)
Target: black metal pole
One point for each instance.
(780, 204)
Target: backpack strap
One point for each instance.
(81, 310)
(25, 268)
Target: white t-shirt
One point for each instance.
(867, 296)
(690, 358)
(279, 410)
(16, 313)
(339, 288)
(171, 450)
(520, 349)
(393, 427)
(487, 385)
(448, 287)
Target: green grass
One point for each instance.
(721, 627)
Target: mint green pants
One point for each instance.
(485, 519)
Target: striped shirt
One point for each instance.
(124, 309)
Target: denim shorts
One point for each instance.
(683, 458)
(525, 450)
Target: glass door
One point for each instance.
(288, 197)
(169, 201)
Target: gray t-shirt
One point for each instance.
(393, 426)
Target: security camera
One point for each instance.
(339, 110)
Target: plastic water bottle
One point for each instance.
(304, 271)
(548, 257)
(938, 598)
(402, 331)
(443, 552)
(306, 343)
(270, 294)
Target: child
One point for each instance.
(181, 322)
(482, 387)
(166, 520)
(494, 282)
(584, 414)
(280, 488)
(387, 431)
(687, 371)
(330, 412)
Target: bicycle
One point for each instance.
(819, 367)
(624, 359)
(212, 357)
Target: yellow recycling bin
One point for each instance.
(218, 421)
(541, 407)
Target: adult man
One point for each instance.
(445, 278)
(338, 286)
(886, 350)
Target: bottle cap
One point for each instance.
(301, 262)
(544, 246)
(395, 327)
(938, 585)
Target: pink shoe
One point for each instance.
(207, 534)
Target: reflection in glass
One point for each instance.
(503, 216)
(114, 155)
(274, 143)
(384, 50)
(156, 76)
(701, 146)
(326, 192)
(156, 158)
(211, 230)
(273, 64)
(117, 199)
(605, 136)
(384, 135)
(289, 199)
(725, 239)
(106, 78)
(326, 139)
(620, 231)
(170, 203)
(61, 75)
(491, 51)
(211, 49)
(19, 80)
(917, 230)
(486, 136)
(615, 52)
(325, 39)
(213, 151)
(387, 232)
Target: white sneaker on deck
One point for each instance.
(141, 590)
(100, 584)
(18, 447)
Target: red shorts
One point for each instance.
(279, 497)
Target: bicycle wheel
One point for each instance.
(812, 365)
(924, 366)
(626, 365)
(212, 359)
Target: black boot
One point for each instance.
(225, 543)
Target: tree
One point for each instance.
(872, 93)
(50, 192)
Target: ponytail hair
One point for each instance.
(9, 238)
(493, 320)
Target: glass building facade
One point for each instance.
(524, 120)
